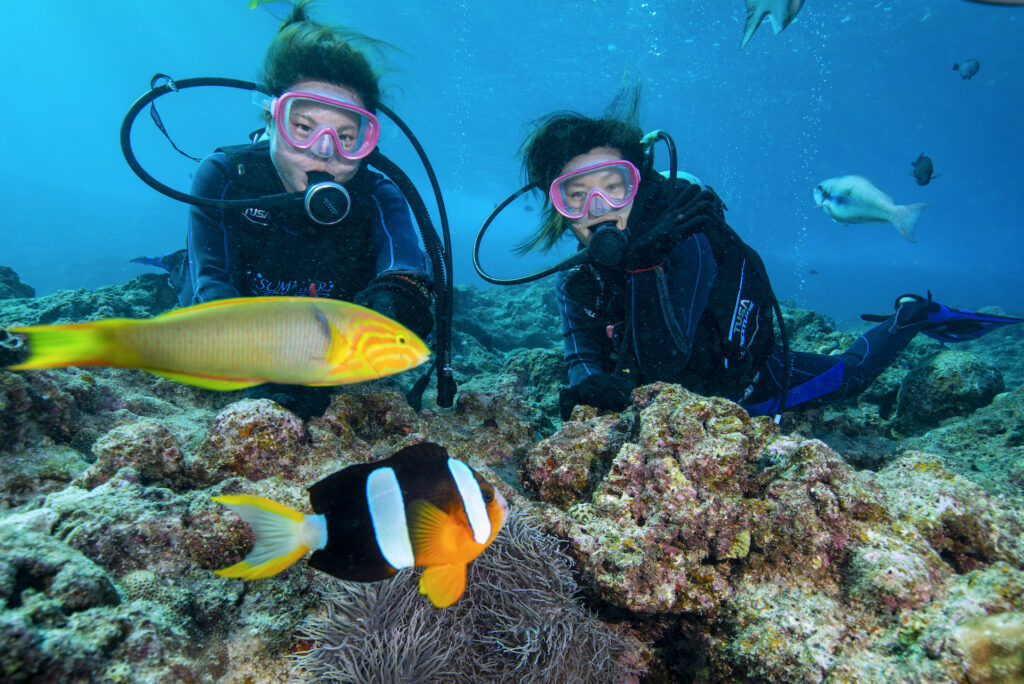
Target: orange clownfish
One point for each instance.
(417, 508)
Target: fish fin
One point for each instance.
(433, 533)
(74, 344)
(281, 535)
(755, 15)
(906, 218)
(443, 584)
(246, 570)
(206, 382)
(218, 303)
(338, 349)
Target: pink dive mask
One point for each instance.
(596, 189)
(324, 124)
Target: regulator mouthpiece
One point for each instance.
(327, 202)
(608, 245)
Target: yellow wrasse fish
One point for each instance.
(236, 343)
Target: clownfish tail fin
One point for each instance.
(283, 535)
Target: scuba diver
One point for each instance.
(298, 211)
(662, 289)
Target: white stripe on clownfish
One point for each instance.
(472, 500)
(387, 514)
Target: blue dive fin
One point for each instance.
(941, 322)
(957, 325)
(168, 262)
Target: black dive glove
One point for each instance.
(401, 298)
(600, 389)
(691, 210)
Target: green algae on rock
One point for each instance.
(950, 383)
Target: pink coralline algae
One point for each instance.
(966, 525)
(253, 439)
(801, 568)
(147, 446)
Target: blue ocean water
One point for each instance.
(850, 87)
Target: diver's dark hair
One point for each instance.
(308, 50)
(560, 136)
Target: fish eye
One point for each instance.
(401, 339)
(488, 497)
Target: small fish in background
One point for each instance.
(1006, 3)
(967, 68)
(279, 9)
(855, 199)
(813, 272)
(528, 207)
(417, 508)
(924, 170)
(780, 13)
(232, 344)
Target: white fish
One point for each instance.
(855, 199)
(780, 12)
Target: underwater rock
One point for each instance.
(994, 647)
(143, 297)
(124, 597)
(254, 439)
(795, 636)
(799, 565)
(75, 406)
(950, 383)
(538, 375)
(52, 627)
(965, 525)
(894, 573)
(147, 446)
(563, 469)
(11, 286)
(32, 473)
(519, 620)
(521, 317)
(374, 412)
(780, 634)
(677, 505)
(496, 426)
(986, 447)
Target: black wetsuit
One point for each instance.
(699, 314)
(372, 257)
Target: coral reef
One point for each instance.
(800, 566)
(677, 540)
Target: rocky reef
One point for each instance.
(676, 540)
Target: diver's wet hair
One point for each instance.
(308, 50)
(560, 136)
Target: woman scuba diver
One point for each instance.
(298, 211)
(662, 289)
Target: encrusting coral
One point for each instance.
(713, 547)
